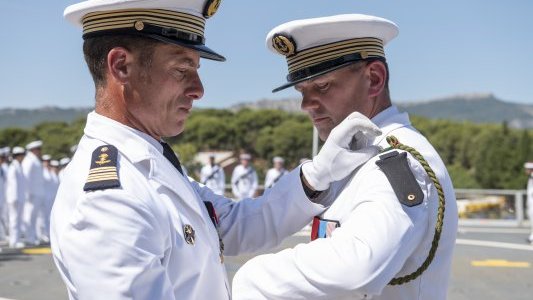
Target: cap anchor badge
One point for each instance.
(211, 8)
(285, 45)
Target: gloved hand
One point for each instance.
(345, 149)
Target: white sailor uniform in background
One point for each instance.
(15, 198)
(273, 175)
(243, 182)
(51, 182)
(35, 194)
(213, 177)
(529, 203)
(142, 229)
(5, 166)
(63, 162)
(3, 204)
(378, 238)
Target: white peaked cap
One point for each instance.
(314, 47)
(18, 150)
(64, 161)
(34, 144)
(245, 156)
(278, 159)
(179, 22)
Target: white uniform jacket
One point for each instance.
(378, 238)
(50, 183)
(272, 176)
(134, 241)
(16, 183)
(213, 177)
(243, 182)
(3, 177)
(33, 170)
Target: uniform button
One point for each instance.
(139, 25)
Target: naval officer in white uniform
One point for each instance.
(374, 240)
(126, 223)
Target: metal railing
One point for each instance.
(511, 209)
(511, 214)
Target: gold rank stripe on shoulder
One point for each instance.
(108, 20)
(368, 47)
(104, 171)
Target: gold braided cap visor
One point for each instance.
(130, 18)
(317, 61)
(167, 26)
(367, 47)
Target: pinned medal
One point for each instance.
(211, 8)
(188, 233)
(285, 45)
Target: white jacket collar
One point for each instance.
(388, 120)
(134, 144)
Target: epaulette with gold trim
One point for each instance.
(103, 173)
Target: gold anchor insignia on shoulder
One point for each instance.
(211, 8)
(103, 159)
(188, 232)
(285, 45)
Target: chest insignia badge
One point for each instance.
(189, 234)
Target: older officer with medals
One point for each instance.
(386, 236)
(126, 222)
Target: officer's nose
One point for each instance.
(196, 89)
(309, 103)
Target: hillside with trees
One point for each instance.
(477, 155)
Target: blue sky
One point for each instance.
(444, 48)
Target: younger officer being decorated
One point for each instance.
(126, 222)
(386, 235)
(244, 178)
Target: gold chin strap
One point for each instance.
(395, 144)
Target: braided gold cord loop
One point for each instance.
(395, 144)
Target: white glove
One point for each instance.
(345, 149)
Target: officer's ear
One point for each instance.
(119, 64)
(377, 74)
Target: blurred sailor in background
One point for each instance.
(35, 194)
(16, 197)
(274, 174)
(63, 163)
(3, 205)
(529, 172)
(212, 175)
(244, 178)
